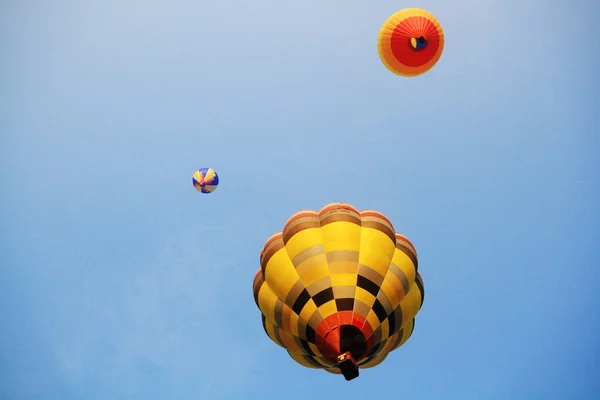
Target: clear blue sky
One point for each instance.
(119, 281)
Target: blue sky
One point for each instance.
(120, 281)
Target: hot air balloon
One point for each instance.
(338, 289)
(411, 42)
(205, 180)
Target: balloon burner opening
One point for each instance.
(345, 339)
(418, 43)
(352, 341)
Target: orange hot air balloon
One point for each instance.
(338, 288)
(411, 42)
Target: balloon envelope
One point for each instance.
(338, 284)
(205, 180)
(410, 42)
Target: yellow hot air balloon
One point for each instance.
(338, 288)
(411, 42)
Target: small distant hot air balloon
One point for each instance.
(411, 42)
(205, 180)
(338, 289)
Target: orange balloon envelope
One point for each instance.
(411, 42)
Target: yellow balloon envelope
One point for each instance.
(338, 288)
(411, 42)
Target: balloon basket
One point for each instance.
(348, 366)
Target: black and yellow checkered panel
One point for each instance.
(335, 267)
